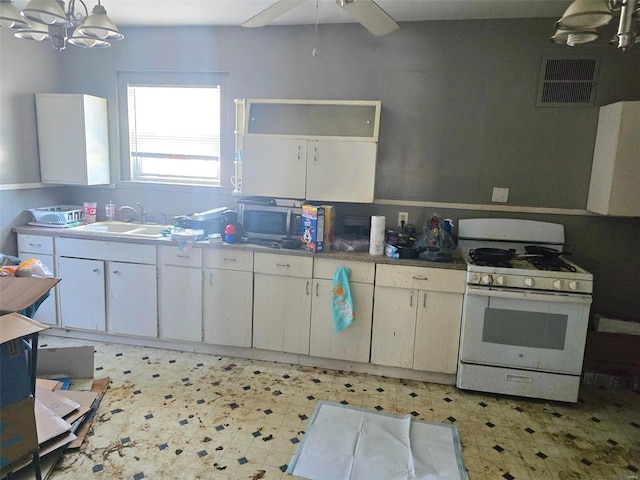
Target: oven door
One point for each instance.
(522, 329)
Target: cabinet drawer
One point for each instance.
(287, 265)
(99, 250)
(361, 272)
(171, 255)
(423, 278)
(35, 244)
(228, 259)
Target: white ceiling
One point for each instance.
(234, 12)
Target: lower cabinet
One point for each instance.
(108, 286)
(228, 297)
(41, 247)
(353, 343)
(416, 318)
(180, 294)
(282, 302)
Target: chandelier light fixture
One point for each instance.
(51, 20)
(581, 20)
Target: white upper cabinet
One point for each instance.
(615, 175)
(73, 139)
(308, 149)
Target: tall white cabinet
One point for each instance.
(73, 139)
(615, 174)
(308, 149)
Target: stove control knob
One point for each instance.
(573, 285)
(529, 282)
(485, 279)
(500, 280)
(557, 284)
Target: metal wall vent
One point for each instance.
(568, 81)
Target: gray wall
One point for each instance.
(459, 117)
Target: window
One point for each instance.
(171, 127)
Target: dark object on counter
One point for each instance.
(291, 244)
(544, 251)
(492, 256)
(407, 252)
(349, 242)
(212, 221)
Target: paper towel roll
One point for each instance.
(376, 239)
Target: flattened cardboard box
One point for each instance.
(18, 434)
(18, 293)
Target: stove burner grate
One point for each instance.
(491, 263)
(551, 263)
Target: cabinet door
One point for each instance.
(132, 296)
(228, 307)
(46, 312)
(394, 325)
(352, 343)
(341, 171)
(438, 332)
(281, 313)
(82, 293)
(180, 303)
(273, 167)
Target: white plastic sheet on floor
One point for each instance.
(348, 443)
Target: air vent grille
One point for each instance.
(568, 81)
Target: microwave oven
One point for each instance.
(270, 222)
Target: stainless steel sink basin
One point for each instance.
(125, 229)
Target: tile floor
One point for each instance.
(175, 415)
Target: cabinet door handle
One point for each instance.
(95, 270)
(307, 288)
(116, 271)
(424, 300)
(299, 150)
(230, 259)
(411, 298)
(317, 289)
(38, 245)
(283, 265)
(211, 279)
(315, 154)
(420, 278)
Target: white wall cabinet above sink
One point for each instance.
(309, 149)
(73, 139)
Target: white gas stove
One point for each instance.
(525, 312)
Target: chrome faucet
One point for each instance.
(140, 214)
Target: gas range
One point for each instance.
(521, 273)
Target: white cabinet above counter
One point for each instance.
(308, 149)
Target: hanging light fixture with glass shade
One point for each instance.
(48, 20)
(581, 20)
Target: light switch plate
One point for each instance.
(500, 195)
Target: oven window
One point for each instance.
(524, 329)
(272, 223)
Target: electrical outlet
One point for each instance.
(500, 195)
(403, 217)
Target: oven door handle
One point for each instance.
(574, 298)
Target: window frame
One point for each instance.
(178, 79)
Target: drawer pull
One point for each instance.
(518, 378)
(420, 278)
(283, 265)
(230, 259)
(37, 245)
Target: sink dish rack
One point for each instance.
(57, 215)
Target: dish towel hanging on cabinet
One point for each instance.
(343, 314)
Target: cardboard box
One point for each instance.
(18, 434)
(18, 293)
(312, 234)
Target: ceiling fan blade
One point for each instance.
(370, 15)
(272, 12)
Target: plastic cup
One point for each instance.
(90, 211)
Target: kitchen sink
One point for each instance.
(128, 229)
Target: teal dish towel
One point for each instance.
(343, 314)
